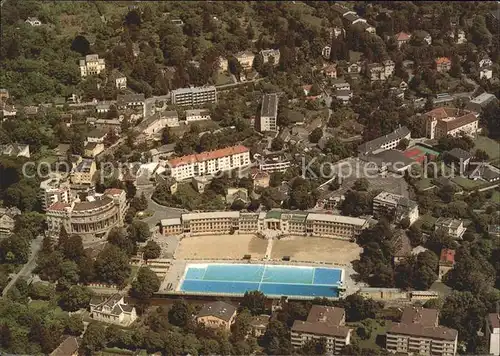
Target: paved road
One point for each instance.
(36, 245)
(159, 211)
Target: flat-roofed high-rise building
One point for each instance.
(269, 113)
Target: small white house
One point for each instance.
(33, 21)
(197, 115)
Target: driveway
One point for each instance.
(159, 211)
(36, 245)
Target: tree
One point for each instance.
(415, 235)
(316, 135)
(151, 251)
(403, 144)
(69, 275)
(139, 231)
(74, 325)
(429, 104)
(71, 247)
(241, 325)
(77, 297)
(481, 155)
(111, 265)
(277, 144)
(258, 63)
(180, 313)
(145, 285)
(361, 184)
(133, 18)
(14, 249)
(234, 66)
(254, 301)
(168, 137)
(94, 339)
(81, 45)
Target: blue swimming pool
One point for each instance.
(271, 280)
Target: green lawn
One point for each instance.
(489, 145)
(495, 197)
(223, 78)
(41, 304)
(424, 183)
(469, 184)
(378, 331)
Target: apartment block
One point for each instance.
(194, 96)
(209, 163)
(395, 205)
(384, 143)
(52, 190)
(269, 113)
(418, 333)
(322, 322)
(91, 65)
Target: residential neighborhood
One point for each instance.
(249, 178)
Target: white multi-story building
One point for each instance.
(209, 163)
(194, 96)
(453, 227)
(273, 163)
(94, 217)
(384, 143)
(172, 118)
(197, 115)
(91, 65)
(395, 205)
(52, 190)
(486, 73)
(326, 51)
(493, 333)
(245, 59)
(444, 121)
(268, 53)
(294, 223)
(322, 322)
(33, 21)
(15, 150)
(8, 220)
(269, 113)
(419, 333)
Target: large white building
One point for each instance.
(91, 65)
(94, 217)
(52, 190)
(293, 223)
(322, 322)
(493, 333)
(194, 96)
(269, 113)
(268, 53)
(209, 163)
(395, 205)
(419, 333)
(450, 121)
(384, 143)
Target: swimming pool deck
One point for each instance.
(172, 281)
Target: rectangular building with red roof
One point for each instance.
(209, 163)
(446, 262)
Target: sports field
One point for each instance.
(221, 247)
(315, 249)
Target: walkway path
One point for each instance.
(269, 248)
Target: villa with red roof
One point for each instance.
(443, 64)
(446, 262)
(402, 38)
(209, 163)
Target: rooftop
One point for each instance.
(269, 105)
(459, 154)
(447, 256)
(377, 143)
(323, 320)
(68, 347)
(221, 310)
(205, 156)
(448, 222)
(494, 320)
(419, 315)
(403, 36)
(193, 90)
